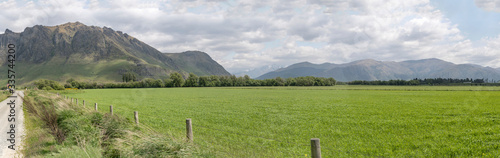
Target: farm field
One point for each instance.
(351, 121)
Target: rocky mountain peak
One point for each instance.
(75, 43)
(72, 24)
(8, 31)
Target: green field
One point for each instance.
(351, 121)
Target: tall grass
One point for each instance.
(58, 128)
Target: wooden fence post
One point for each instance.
(95, 106)
(315, 148)
(83, 103)
(189, 130)
(136, 116)
(111, 109)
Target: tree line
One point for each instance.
(427, 81)
(177, 80)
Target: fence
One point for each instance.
(314, 142)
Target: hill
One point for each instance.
(90, 53)
(370, 70)
(197, 62)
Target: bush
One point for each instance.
(158, 148)
(44, 110)
(113, 127)
(78, 128)
(48, 85)
(96, 119)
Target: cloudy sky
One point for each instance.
(243, 34)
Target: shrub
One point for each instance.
(48, 85)
(78, 128)
(158, 148)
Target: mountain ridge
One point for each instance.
(369, 70)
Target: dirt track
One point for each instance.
(14, 113)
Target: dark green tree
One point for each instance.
(158, 83)
(70, 80)
(279, 81)
(168, 82)
(148, 83)
(128, 77)
(203, 81)
(290, 82)
(191, 81)
(177, 80)
(214, 81)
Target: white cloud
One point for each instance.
(488, 5)
(488, 54)
(243, 34)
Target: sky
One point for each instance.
(242, 34)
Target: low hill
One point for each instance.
(90, 53)
(370, 70)
(197, 62)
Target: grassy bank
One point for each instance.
(56, 127)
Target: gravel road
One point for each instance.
(11, 126)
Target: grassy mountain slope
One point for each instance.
(198, 63)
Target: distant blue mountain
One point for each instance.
(370, 70)
(253, 73)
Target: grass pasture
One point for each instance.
(351, 121)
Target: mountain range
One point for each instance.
(90, 53)
(253, 73)
(370, 70)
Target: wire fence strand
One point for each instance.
(173, 123)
